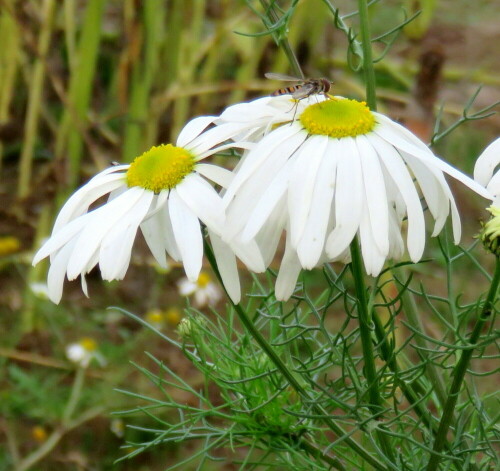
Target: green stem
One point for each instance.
(460, 370)
(318, 454)
(366, 328)
(290, 377)
(366, 44)
(282, 41)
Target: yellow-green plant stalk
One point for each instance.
(35, 99)
(10, 50)
(73, 124)
(142, 79)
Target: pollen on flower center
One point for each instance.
(203, 280)
(160, 168)
(338, 117)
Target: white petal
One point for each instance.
(376, 196)
(213, 137)
(57, 272)
(269, 236)
(396, 168)
(219, 175)
(187, 233)
(487, 162)
(192, 129)
(80, 201)
(494, 184)
(62, 237)
(249, 192)
(102, 221)
(152, 231)
(203, 201)
(116, 246)
(434, 189)
(390, 134)
(373, 259)
(288, 273)
(277, 146)
(249, 253)
(302, 182)
(312, 242)
(226, 262)
(348, 197)
(266, 204)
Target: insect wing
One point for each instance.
(304, 91)
(282, 77)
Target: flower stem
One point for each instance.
(460, 370)
(282, 41)
(366, 44)
(289, 375)
(366, 328)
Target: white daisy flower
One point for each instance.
(166, 194)
(83, 352)
(329, 169)
(205, 291)
(486, 171)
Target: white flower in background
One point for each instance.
(83, 352)
(205, 291)
(40, 290)
(329, 169)
(166, 194)
(486, 171)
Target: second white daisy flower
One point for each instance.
(335, 171)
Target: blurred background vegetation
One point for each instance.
(84, 83)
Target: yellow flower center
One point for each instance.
(9, 245)
(338, 117)
(160, 168)
(88, 344)
(203, 280)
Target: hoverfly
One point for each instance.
(304, 87)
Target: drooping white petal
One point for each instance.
(201, 198)
(116, 245)
(187, 233)
(213, 137)
(390, 134)
(192, 129)
(152, 231)
(219, 175)
(57, 272)
(269, 236)
(399, 173)
(486, 163)
(375, 193)
(266, 204)
(249, 253)
(251, 191)
(433, 186)
(226, 262)
(373, 258)
(62, 237)
(240, 144)
(494, 185)
(348, 197)
(102, 221)
(257, 110)
(276, 147)
(80, 201)
(312, 242)
(288, 273)
(302, 182)
(396, 245)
